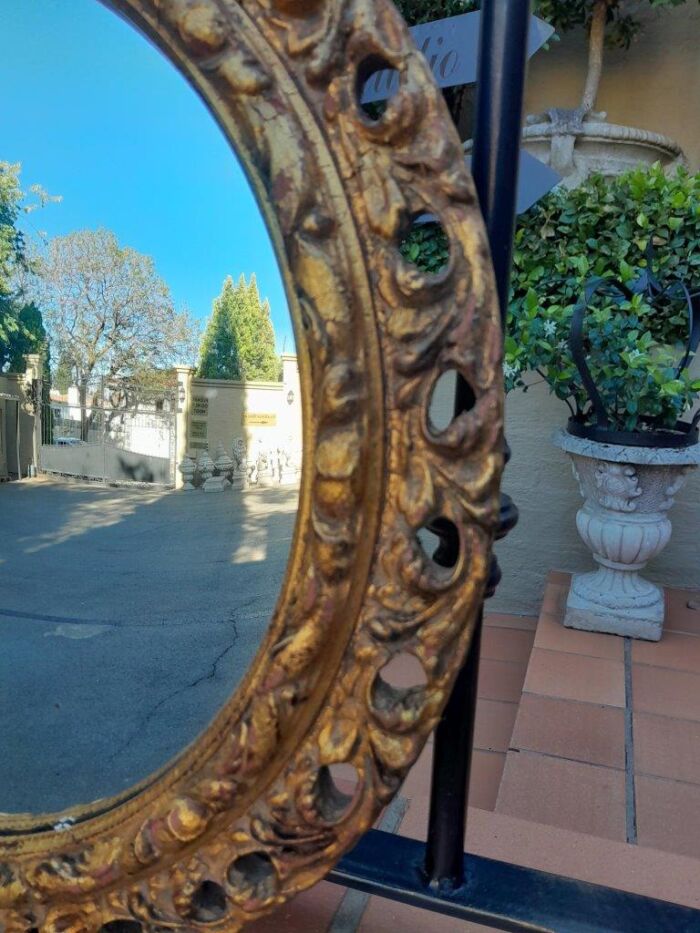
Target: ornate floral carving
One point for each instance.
(251, 813)
(618, 486)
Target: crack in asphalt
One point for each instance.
(189, 686)
(123, 624)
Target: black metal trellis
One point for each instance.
(653, 434)
(438, 875)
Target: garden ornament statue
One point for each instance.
(628, 480)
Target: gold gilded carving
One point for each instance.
(250, 810)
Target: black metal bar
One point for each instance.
(499, 109)
(502, 59)
(504, 896)
(452, 755)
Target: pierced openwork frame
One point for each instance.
(252, 812)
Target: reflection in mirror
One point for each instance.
(156, 445)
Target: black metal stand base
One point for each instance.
(505, 896)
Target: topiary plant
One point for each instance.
(416, 12)
(612, 23)
(613, 230)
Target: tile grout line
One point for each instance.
(353, 904)
(630, 801)
(524, 750)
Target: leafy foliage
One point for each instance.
(21, 325)
(107, 310)
(604, 228)
(427, 246)
(425, 11)
(239, 341)
(623, 22)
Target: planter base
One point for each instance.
(633, 621)
(628, 492)
(216, 484)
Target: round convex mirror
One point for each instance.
(155, 441)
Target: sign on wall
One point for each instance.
(451, 47)
(250, 418)
(200, 406)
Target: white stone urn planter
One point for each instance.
(627, 492)
(578, 149)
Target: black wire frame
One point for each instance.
(438, 875)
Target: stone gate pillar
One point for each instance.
(33, 387)
(185, 374)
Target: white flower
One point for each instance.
(510, 370)
(562, 345)
(550, 328)
(634, 354)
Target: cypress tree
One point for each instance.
(240, 332)
(219, 354)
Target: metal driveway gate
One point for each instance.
(111, 435)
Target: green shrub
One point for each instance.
(425, 11)
(603, 228)
(427, 246)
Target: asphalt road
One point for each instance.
(127, 617)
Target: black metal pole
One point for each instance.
(501, 78)
(499, 108)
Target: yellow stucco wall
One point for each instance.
(655, 85)
(266, 415)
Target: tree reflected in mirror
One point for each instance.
(150, 414)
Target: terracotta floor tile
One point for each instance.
(650, 872)
(487, 769)
(675, 650)
(503, 644)
(665, 692)
(567, 729)
(414, 825)
(501, 680)
(680, 618)
(404, 670)
(499, 620)
(668, 748)
(383, 916)
(417, 783)
(492, 732)
(569, 794)
(554, 599)
(668, 815)
(576, 677)
(559, 576)
(486, 773)
(552, 634)
(494, 724)
(311, 912)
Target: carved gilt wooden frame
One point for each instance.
(252, 813)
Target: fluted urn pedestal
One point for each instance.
(627, 492)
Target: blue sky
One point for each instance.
(95, 114)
